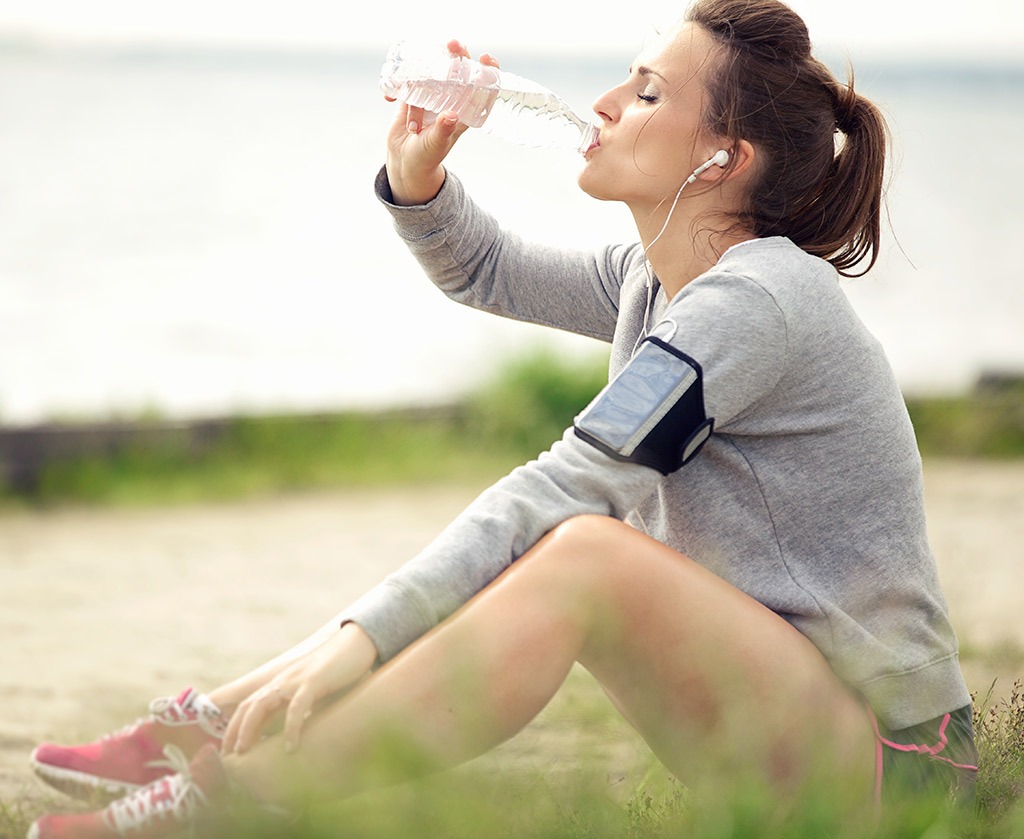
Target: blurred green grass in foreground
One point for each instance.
(563, 790)
(505, 423)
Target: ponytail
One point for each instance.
(821, 146)
(856, 180)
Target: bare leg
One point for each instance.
(711, 679)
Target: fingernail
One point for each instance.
(450, 119)
(414, 127)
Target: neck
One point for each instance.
(679, 255)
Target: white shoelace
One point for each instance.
(197, 707)
(176, 796)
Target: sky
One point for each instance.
(984, 29)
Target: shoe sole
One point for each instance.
(80, 784)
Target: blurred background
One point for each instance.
(187, 224)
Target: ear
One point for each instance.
(741, 159)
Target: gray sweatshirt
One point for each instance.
(808, 496)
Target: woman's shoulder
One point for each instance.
(773, 283)
(774, 258)
(781, 270)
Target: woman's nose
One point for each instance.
(604, 106)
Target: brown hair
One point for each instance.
(765, 87)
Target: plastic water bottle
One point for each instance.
(500, 103)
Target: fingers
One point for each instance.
(299, 710)
(456, 47)
(416, 119)
(251, 718)
(230, 741)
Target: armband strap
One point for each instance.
(652, 412)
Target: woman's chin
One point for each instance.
(592, 188)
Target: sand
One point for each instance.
(102, 610)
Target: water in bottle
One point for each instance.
(500, 103)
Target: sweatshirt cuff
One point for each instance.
(390, 617)
(421, 220)
(905, 699)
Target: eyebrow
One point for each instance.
(647, 71)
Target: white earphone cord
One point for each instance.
(720, 158)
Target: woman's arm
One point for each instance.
(465, 252)
(572, 478)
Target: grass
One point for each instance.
(251, 456)
(984, 424)
(566, 794)
(1000, 733)
(511, 420)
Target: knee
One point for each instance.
(578, 545)
(574, 565)
(590, 534)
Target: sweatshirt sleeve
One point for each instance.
(737, 331)
(468, 256)
(572, 478)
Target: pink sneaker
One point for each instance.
(165, 807)
(134, 756)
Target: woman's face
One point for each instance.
(650, 137)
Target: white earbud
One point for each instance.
(721, 158)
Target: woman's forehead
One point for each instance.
(678, 53)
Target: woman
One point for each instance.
(731, 538)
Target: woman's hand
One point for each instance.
(337, 664)
(418, 143)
